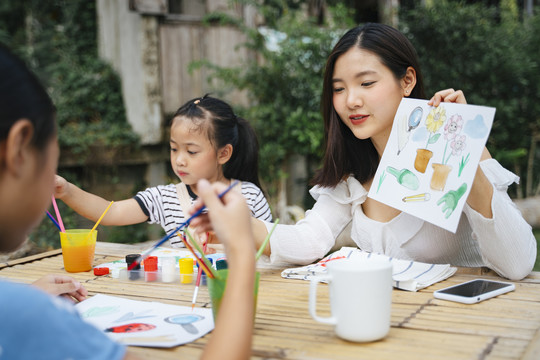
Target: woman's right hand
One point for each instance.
(447, 95)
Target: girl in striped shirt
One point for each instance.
(207, 141)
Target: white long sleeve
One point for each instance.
(504, 243)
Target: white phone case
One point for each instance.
(472, 298)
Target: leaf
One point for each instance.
(433, 139)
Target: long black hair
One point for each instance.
(23, 97)
(224, 127)
(344, 153)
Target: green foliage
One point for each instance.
(492, 56)
(283, 81)
(58, 40)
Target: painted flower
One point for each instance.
(458, 144)
(453, 127)
(435, 119)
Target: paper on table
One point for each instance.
(407, 275)
(145, 323)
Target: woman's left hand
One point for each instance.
(62, 285)
(447, 95)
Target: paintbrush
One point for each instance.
(184, 224)
(202, 260)
(54, 221)
(60, 223)
(265, 242)
(100, 218)
(199, 275)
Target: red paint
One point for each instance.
(129, 328)
(99, 271)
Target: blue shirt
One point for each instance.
(36, 325)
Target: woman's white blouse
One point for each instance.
(504, 243)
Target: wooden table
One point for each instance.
(505, 327)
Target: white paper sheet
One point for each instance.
(406, 274)
(145, 323)
(454, 136)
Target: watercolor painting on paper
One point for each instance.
(145, 323)
(431, 158)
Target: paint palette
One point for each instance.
(168, 269)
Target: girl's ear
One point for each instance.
(408, 81)
(224, 154)
(16, 150)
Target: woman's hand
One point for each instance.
(62, 285)
(448, 95)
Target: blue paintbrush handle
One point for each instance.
(183, 225)
(54, 221)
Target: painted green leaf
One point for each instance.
(434, 139)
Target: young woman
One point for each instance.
(37, 325)
(369, 71)
(208, 141)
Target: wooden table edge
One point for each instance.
(30, 258)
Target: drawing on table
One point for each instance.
(130, 328)
(100, 311)
(130, 316)
(186, 321)
(157, 322)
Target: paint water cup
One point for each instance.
(360, 298)
(216, 288)
(78, 246)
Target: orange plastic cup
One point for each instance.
(78, 247)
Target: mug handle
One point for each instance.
(313, 300)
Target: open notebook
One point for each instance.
(407, 275)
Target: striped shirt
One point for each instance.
(162, 206)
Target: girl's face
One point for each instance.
(193, 156)
(366, 95)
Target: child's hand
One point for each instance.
(229, 217)
(61, 285)
(60, 187)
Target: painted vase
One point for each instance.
(439, 177)
(422, 159)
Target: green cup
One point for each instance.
(216, 288)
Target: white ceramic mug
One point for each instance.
(360, 298)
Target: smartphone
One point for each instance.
(474, 291)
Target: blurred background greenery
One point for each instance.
(489, 49)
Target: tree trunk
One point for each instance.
(530, 208)
(388, 12)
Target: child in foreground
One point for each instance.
(37, 324)
(208, 141)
